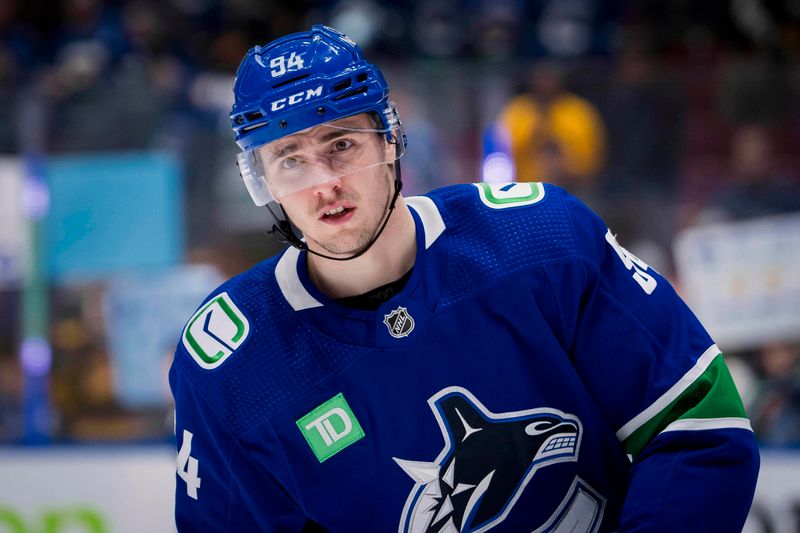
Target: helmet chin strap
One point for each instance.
(284, 226)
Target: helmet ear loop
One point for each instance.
(283, 227)
(395, 165)
(398, 179)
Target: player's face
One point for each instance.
(342, 214)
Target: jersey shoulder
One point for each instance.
(496, 231)
(222, 323)
(506, 227)
(222, 348)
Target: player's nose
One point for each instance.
(327, 187)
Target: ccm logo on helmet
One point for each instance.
(279, 104)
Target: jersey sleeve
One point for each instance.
(661, 383)
(219, 487)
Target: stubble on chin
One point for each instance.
(347, 246)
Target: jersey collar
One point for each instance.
(417, 300)
(287, 273)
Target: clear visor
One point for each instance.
(316, 156)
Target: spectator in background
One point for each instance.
(556, 136)
(19, 49)
(117, 66)
(645, 114)
(90, 24)
(775, 412)
(759, 186)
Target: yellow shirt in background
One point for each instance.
(570, 121)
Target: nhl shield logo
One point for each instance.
(399, 322)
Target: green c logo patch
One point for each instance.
(505, 195)
(215, 331)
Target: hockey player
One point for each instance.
(484, 357)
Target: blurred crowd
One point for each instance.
(660, 115)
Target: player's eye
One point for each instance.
(342, 144)
(290, 163)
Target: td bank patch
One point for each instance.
(215, 331)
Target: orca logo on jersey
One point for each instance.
(486, 463)
(399, 322)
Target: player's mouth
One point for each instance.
(337, 215)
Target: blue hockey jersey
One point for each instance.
(532, 375)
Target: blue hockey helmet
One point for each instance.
(298, 82)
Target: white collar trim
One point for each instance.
(289, 282)
(432, 222)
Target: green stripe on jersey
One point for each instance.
(712, 395)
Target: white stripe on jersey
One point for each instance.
(699, 424)
(669, 396)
